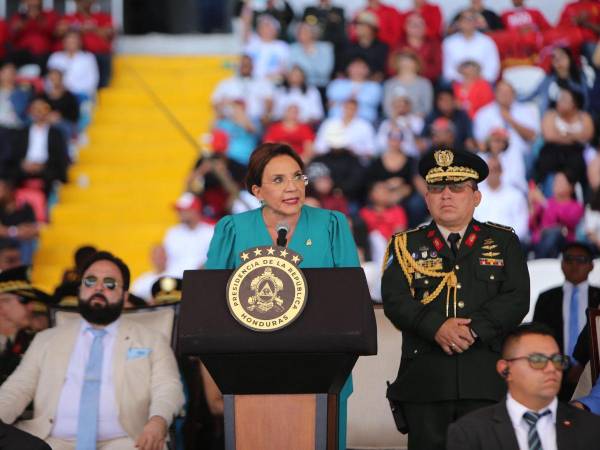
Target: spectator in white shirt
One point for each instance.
(142, 285)
(79, 67)
(359, 135)
(401, 119)
(256, 92)
(270, 56)
(498, 144)
(186, 243)
(522, 120)
(296, 91)
(469, 44)
(502, 203)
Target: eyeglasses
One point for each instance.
(281, 181)
(538, 361)
(580, 259)
(108, 282)
(455, 188)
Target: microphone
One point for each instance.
(282, 230)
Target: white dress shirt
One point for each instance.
(254, 91)
(186, 247)
(80, 71)
(546, 426)
(358, 134)
(67, 412)
(582, 300)
(505, 205)
(481, 48)
(37, 148)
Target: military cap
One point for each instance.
(167, 290)
(452, 166)
(17, 281)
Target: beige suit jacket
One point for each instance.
(144, 387)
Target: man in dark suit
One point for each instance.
(39, 155)
(12, 438)
(454, 287)
(531, 417)
(563, 308)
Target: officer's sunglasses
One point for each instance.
(108, 282)
(538, 361)
(580, 259)
(455, 188)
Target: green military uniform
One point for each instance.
(423, 285)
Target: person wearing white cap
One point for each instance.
(186, 243)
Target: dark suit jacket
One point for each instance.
(493, 290)
(548, 309)
(12, 438)
(56, 165)
(490, 428)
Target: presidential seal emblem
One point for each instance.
(267, 291)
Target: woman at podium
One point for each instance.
(322, 237)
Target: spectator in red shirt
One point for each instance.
(383, 215)
(429, 51)
(290, 130)
(97, 33)
(524, 19)
(584, 15)
(432, 15)
(473, 91)
(3, 39)
(32, 33)
(388, 18)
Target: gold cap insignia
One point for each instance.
(167, 284)
(444, 158)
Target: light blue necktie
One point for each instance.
(573, 320)
(89, 404)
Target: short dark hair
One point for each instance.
(260, 158)
(525, 329)
(107, 256)
(83, 253)
(578, 244)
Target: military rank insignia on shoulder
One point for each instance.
(500, 227)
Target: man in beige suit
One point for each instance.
(123, 374)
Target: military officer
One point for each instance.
(454, 288)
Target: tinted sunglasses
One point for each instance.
(108, 282)
(538, 361)
(455, 188)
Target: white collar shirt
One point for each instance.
(546, 426)
(67, 413)
(37, 150)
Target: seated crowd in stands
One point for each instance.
(360, 98)
(365, 96)
(51, 67)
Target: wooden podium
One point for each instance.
(280, 388)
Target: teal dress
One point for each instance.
(322, 237)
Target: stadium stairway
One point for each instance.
(143, 140)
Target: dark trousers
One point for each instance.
(13, 439)
(428, 422)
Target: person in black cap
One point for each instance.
(19, 302)
(563, 309)
(166, 290)
(454, 287)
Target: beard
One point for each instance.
(100, 313)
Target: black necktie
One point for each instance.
(453, 238)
